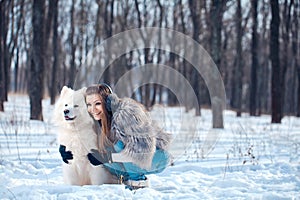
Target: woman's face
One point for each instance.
(95, 106)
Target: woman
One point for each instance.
(131, 145)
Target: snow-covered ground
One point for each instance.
(251, 159)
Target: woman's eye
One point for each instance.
(98, 103)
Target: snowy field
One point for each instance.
(252, 159)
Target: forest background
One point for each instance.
(254, 44)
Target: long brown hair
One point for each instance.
(103, 90)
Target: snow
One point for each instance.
(250, 159)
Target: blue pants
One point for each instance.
(130, 171)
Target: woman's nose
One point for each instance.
(93, 108)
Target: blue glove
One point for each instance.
(66, 155)
(97, 158)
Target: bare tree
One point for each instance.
(72, 72)
(10, 23)
(274, 55)
(37, 61)
(97, 37)
(108, 31)
(48, 46)
(216, 20)
(254, 49)
(295, 42)
(286, 18)
(238, 68)
(3, 52)
(20, 24)
(263, 93)
(195, 10)
(53, 90)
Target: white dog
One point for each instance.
(77, 135)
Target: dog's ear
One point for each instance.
(64, 90)
(82, 90)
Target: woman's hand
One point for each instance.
(97, 158)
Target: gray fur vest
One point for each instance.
(132, 124)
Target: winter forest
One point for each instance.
(253, 43)
(222, 76)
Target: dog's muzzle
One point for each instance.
(66, 115)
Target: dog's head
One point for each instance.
(71, 107)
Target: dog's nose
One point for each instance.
(66, 111)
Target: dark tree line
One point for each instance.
(254, 44)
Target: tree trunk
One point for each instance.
(16, 71)
(183, 69)
(274, 55)
(157, 88)
(254, 49)
(285, 54)
(216, 21)
(11, 44)
(108, 27)
(4, 50)
(216, 18)
(172, 100)
(295, 28)
(238, 67)
(263, 92)
(97, 37)
(72, 72)
(14, 42)
(37, 61)
(3, 34)
(55, 52)
(196, 19)
(47, 46)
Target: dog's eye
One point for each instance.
(76, 106)
(66, 105)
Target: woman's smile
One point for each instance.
(95, 115)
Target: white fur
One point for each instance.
(79, 137)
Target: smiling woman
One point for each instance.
(131, 145)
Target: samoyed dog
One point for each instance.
(77, 132)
